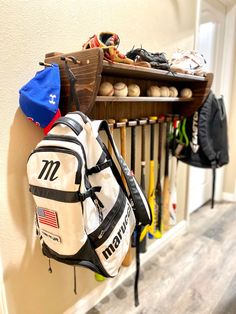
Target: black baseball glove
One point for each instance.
(157, 60)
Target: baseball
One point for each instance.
(164, 91)
(133, 90)
(186, 93)
(106, 89)
(154, 91)
(120, 89)
(173, 91)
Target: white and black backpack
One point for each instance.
(84, 215)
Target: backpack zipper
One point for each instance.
(108, 225)
(46, 148)
(107, 221)
(67, 138)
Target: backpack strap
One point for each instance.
(137, 254)
(99, 167)
(141, 207)
(74, 125)
(72, 80)
(213, 185)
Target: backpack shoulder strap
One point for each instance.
(72, 124)
(141, 206)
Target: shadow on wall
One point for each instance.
(30, 288)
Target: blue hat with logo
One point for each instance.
(39, 98)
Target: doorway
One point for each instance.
(210, 45)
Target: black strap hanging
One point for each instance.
(75, 281)
(136, 296)
(213, 185)
(72, 79)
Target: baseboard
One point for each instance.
(229, 197)
(106, 287)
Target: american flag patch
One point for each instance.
(47, 217)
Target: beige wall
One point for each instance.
(28, 30)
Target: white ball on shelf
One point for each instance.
(133, 90)
(106, 89)
(165, 92)
(154, 91)
(120, 89)
(173, 91)
(186, 93)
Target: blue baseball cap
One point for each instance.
(39, 98)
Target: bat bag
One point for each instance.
(207, 133)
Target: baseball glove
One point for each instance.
(109, 42)
(157, 60)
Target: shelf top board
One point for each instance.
(147, 73)
(142, 99)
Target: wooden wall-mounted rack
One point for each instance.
(91, 70)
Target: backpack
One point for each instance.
(84, 215)
(206, 130)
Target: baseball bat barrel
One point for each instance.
(151, 188)
(158, 192)
(173, 173)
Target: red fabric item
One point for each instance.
(48, 127)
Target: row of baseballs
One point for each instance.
(120, 89)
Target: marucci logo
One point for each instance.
(119, 236)
(50, 167)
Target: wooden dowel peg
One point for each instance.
(71, 59)
(45, 64)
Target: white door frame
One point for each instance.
(229, 60)
(226, 72)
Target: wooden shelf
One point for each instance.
(142, 99)
(93, 70)
(147, 73)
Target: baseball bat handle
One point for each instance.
(111, 123)
(123, 145)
